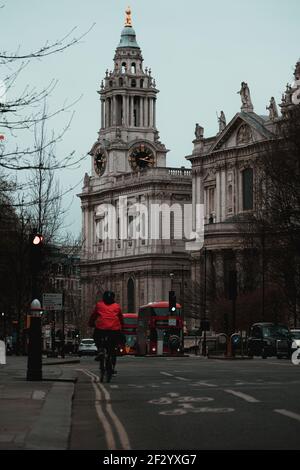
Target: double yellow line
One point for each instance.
(104, 408)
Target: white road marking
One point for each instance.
(206, 384)
(167, 373)
(182, 378)
(114, 386)
(290, 414)
(110, 440)
(124, 439)
(243, 396)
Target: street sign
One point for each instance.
(52, 301)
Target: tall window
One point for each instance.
(130, 296)
(247, 189)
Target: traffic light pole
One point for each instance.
(34, 363)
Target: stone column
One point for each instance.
(223, 195)
(154, 113)
(124, 110)
(151, 112)
(106, 113)
(194, 182)
(141, 123)
(131, 111)
(146, 112)
(102, 114)
(218, 198)
(114, 110)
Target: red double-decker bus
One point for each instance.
(159, 331)
(130, 327)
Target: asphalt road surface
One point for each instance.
(187, 403)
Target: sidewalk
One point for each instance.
(35, 415)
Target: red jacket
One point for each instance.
(107, 316)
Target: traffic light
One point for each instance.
(172, 301)
(36, 247)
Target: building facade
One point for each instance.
(225, 181)
(130, 242)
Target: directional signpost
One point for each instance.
(53, 302)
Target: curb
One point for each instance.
(56, 363)
(233, 358)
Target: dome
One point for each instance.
(128, 38)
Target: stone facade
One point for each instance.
(224, 178)
(129, 164)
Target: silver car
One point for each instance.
(87, 347)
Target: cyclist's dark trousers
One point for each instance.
(112, 339)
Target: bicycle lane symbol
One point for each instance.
(186, 404)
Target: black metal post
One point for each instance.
(263, 274)
(204, 306)
(53, 333)
(34, 364)
(63, 327)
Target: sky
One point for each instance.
(199, 53)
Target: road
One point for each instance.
(187, 403)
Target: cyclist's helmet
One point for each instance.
(108, 297)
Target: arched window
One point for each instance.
(247, 178)
(133, 67)
(120, 81)
(133, 83)
(130, 296)
(142, 83)
(124, 67)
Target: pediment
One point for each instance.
(243, 129)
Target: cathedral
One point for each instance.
(134, 206)
(126, 197)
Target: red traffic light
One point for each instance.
(37, 239)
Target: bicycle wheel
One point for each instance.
(108, 368)
(102, 365)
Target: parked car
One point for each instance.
(269, 339)
(87, 347)
(295, 333)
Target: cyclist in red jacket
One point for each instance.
(107, 318)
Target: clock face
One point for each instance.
(100, 162)
(141, 157)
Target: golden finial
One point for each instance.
(128, 21)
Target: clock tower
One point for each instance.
(128, 139)
(129, 163)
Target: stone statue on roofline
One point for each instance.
(246, 98)
(272, 108)
(222, 121)
(199, 132)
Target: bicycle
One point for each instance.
(106, 358)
